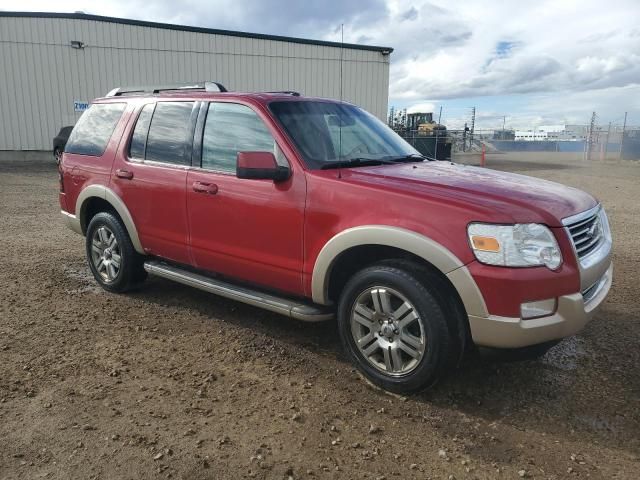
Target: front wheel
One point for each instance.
(394, 329)
(115, 264)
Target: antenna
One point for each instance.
(340, 111)
(341, 56)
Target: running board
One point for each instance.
(281, 305)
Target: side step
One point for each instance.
(283, 306)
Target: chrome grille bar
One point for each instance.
(586, 232)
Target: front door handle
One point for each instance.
(126, 174)
(201, 187)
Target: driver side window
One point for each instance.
(231, 128)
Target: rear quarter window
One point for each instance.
(91, 134)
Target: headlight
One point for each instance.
(519, 245)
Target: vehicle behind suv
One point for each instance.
(314, 209)
(59, 142)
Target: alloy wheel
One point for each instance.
(105, 254)
(388, 330)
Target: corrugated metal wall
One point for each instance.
(41, 75)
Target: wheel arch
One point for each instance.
(390, 241)
(93, 194)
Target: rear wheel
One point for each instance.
(393, 328)
(57, 153)
(115, 264)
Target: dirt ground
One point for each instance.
(169, 382)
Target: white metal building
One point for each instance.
(53, 64)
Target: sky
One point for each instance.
(522, 63)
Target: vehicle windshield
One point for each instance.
(331, 134)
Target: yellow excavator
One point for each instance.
(423, 125)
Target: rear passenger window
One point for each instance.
(91, 134)
(168, 138)
(231, 128)
(139, 138)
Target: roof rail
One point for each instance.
(287, 92)
(154, 89)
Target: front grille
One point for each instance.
(586, 234)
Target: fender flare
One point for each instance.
(100, 191)
(424, 247)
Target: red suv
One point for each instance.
(313, 208)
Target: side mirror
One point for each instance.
(260, 166)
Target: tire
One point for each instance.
(415, 336)
(115, 264)
(57, 154)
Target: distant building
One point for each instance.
(571, 132)
(504, 135)
(553, 132)
(530, 135)
(556, 132)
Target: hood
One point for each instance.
(493, 196)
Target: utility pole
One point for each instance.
(606, 143)
(464, 138)
(473, 126)
(435, 153)
(624, 126)
(504, 121)
(590, 135)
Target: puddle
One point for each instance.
(601, 424)
(83, 276)
(566, 355)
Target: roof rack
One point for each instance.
(154, 89)
(287, 92)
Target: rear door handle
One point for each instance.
(126, 174)
(210, 188)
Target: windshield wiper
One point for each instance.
(412, 157)
(356, 162)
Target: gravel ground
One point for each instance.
(169, 382)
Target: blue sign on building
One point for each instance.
(80, 106)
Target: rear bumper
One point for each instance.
(71, 221)
(573, 313)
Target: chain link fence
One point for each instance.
(593, 143)
(596, 140)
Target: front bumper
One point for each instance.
(573, 313)
(574, 310)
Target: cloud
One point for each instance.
(309, 19)
(424, 107)
(410, 14)
(504, 47)
(481, 48)
(470, 49)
